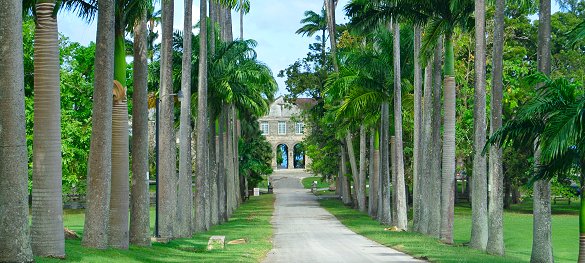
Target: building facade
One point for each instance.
(283, 127)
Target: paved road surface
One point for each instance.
(305, 232)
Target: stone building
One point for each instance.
(285, 130)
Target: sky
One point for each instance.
(271, 23)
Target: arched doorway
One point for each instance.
(282, 156)
(299, 156)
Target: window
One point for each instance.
(300, 128)
(281, 127)
(265, 128)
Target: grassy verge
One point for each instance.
(250, 222)
(308, 182)
(517, 233)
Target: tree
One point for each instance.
(202, 140)
(399, 187)
(479, 225)
(542, 232)
(118, 236)
(167, 145)
(495, 244)
(100, 162)
(313, 23)
(185, 195)
(140, 197)
(14, 235)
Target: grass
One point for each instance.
(517, 234)
(308, 182)
(250, 222)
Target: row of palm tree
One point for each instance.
(236, 79)
(354, 97)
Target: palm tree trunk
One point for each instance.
(14, 233)
(331, 25)
(393, 166)
(425, 181)
(372, 171)
(202, 140)
(221, 175)
(140, 197)
(167, 177)
(361, 182)
(479, 225)
(354, 167)
(384, 214)
(542, 232)
(582, 215)
(47, 235)
(495, 243)
(184, 191)
(345, 186)
(100, 160)
(417, 164)
(400, 187)
(119, 198)
(435, 171)
(213, 191)
(241, 22)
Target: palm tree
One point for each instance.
(47, 221)
(495, 243)
(185, 195)
(14, 233)
(140, 197)
(100, 161)
(313, 23)
(555, 118)
(47, 207)
(542, 232)
(479, 219)
(399, 187)
(118, 236)
(417, 164)
(202, 140)
(167, 152)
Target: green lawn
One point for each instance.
(250, 222)
(518, 235)
(308, 182)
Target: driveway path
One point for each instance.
(305, 232)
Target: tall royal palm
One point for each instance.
(185, 195)
(313, 23)
(47, 205)
(100, 160)
(14, 233)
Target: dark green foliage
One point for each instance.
(255, 154)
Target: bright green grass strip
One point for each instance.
(251, 222)
(308, 182)
(517, 233)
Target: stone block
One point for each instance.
(216, 242)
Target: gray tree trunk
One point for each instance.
(99, 168)
(185, 189)
(384, 214)
(361, 182)
(425, 181)
(417, 163)
(167, 144)
(345, 185)
(221, 175)
(213, 190)
(14, 233)
(479, 215)
(47, 235)
(435, 171)
(202, 148)
(118, 236)
(331, 26)
(354, 167)
(372, 171)
(394, 183)
(400, 187)
(542, 231)
(495, 243)
(140, 197)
